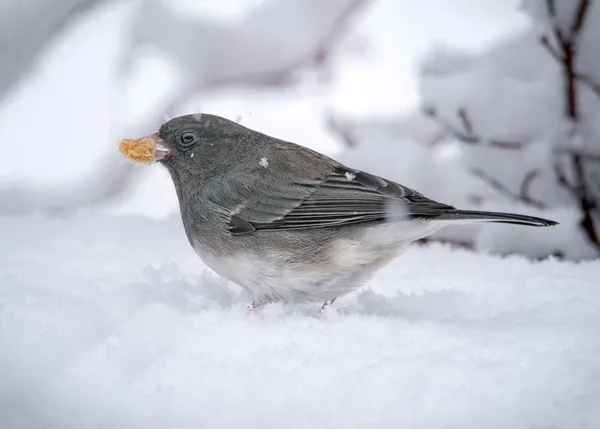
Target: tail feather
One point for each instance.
(481, 216)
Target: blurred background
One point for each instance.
(484, 104)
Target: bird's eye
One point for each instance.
(189, 138)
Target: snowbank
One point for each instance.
(114, 322)
(492, 133)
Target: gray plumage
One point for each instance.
(286, 222)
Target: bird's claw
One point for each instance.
(251, 306)
(327, 303)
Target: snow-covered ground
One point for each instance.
(114, 322)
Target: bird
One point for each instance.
(286, 222)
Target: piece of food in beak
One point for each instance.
(140, 150)
(145, 150)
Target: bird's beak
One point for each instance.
(162, 150)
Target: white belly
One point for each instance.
(351, 264)
(269, 281)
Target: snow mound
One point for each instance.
(114, 322)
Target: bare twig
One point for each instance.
(466, 122)
(467, 134)
(551, 8)
(580, 16)
(524, 190)
(589, 82)
(565, 54)
(545, 40)
(590, 157)
(338, 30)
(561, 177)
(346, 135)
(522, 196)
(437, 138)
(494, 183)
(587, 202)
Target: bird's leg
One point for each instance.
(326, 303)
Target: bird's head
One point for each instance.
(193, 138)
(197, 144)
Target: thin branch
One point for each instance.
(338, 30)
(592, 157)
(589, 82)
(524, 190)
(494, 183)
(566, 55)
(560, 37)
(467, 134)
(561, 177)
(436, 139)
(580, 17)
(587, 203)
(524, 194)
(596, 179)
(345, 135)
(466, 122)
(551, 8)
(545, 40)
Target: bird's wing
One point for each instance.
(343, 197)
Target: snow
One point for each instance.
(510, 91)
(114, 322)
(264, 162)
(109, 319)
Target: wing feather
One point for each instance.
(344, 197)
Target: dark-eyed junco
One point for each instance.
(288, 223)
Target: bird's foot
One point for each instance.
(253, 305)
(326, 303)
